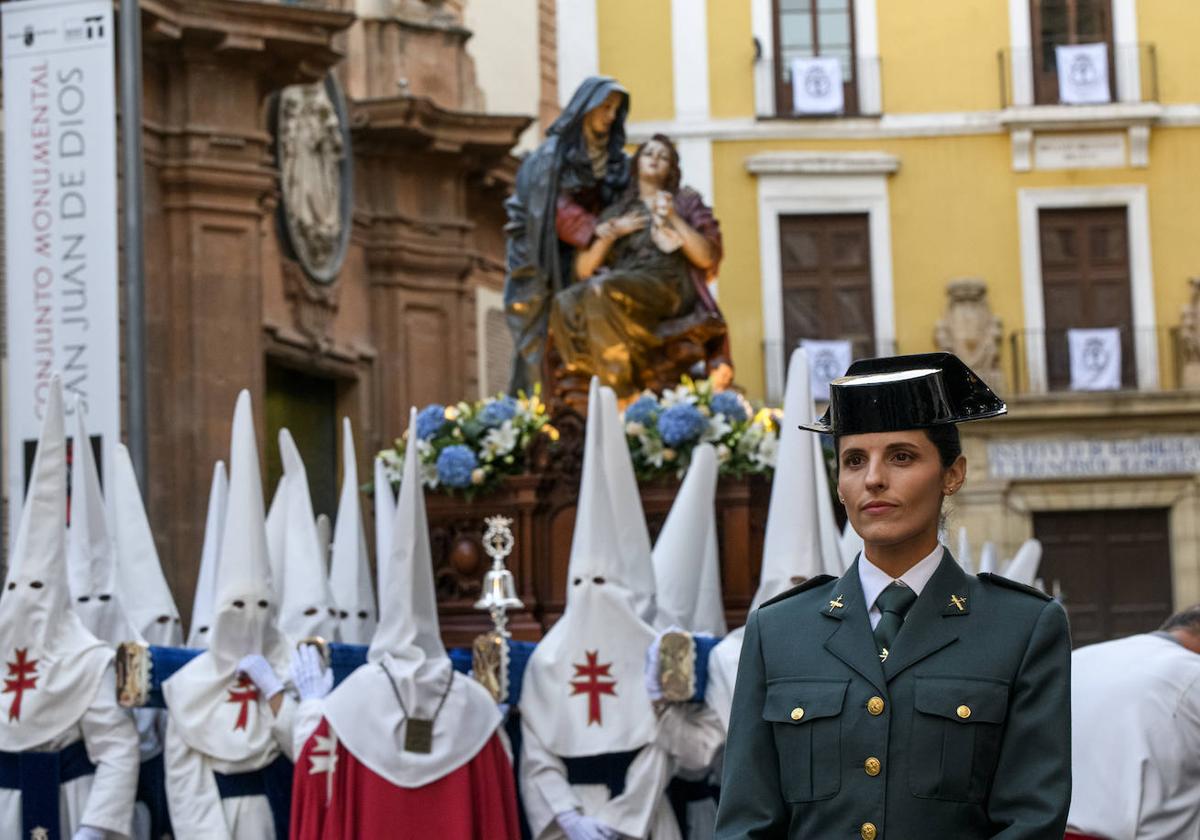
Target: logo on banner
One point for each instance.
(817, 82)
(588, 682)
(827, 365)
(1095, 356)
(1083, 70)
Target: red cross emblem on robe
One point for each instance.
(245, 693)
(21, 678)
(587, 681)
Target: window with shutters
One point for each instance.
(811, 28)
(1063, 22)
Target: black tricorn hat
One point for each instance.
(895, 393)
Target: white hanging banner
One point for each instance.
(60, 203)
(1095, 359)
(827, 360)
(1082, 74)
(817, 86)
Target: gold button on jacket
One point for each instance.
(797, 713)
(872, 766)
(964, 712)
(868, 831)
(875, 706)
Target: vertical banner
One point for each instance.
(60, 202)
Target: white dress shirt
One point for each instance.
(1135, 745)
(874, 579)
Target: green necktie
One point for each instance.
(894, 602)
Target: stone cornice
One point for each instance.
(415, 121)
(822, 163)
(297, 39)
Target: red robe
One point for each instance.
(478, 801)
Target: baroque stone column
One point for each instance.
(210, 194)
(970, 331)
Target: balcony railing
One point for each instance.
(1027, 78)
(1039, 360)
(773, 90)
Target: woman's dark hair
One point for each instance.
(671, 185)
(945, 439)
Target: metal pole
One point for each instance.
(131, 218)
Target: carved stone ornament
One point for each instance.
(315, 173)
(970, 331)
(1189, 337)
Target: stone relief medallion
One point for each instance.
(312, 146)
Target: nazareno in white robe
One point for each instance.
(100, 800)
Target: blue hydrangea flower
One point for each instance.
(430, 420)
(455, 464)
(727, 403)
(496, 412)
(643, 410)
(681, 423)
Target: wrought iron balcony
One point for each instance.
(1039, 361)
(773, 93)
(1030, 77)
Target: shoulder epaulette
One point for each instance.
(802, 587)
(1000, 580)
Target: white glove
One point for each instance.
(258, 669)
(312, 681)
(86, 832)
(650, 668)
(578, 827)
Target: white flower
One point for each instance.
(652, 450)
(500, 441)
(676, 395)
(723, 453)
(749, 440)
(429, 475)
(718, 427)
(635, 429)
(768, 448)
(478, 476)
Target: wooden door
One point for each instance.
(1085, 283)
(1112, 568)
(826, 278)
(1060, 23)
(307, 406)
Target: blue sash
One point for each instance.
(39, 775)
(606, 769)
(273, 781)
(152, 792)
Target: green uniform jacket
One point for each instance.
(963, 732)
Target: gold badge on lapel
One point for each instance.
(959, 601)
(883, 654)
(836, 604)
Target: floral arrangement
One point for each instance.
(470, 447)
(663, 431)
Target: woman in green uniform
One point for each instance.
(905, 700)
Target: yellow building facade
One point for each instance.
(1046, 152)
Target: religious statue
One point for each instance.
(970, 331)
(1189, 337)
(312, 150)
(561, 189)
(641, 287)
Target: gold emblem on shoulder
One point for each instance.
(883, 654)
(836, 604)
(959, 601)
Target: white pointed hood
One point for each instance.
(633, 536)
(1023, 568)
(364, 710)
(687, 574)
(350, 570)
(306, 604)
(206, 581)
(385, 512)
(964, 556)
(140, 581)
(324, 539)
(987, 557)
(851, 545)
(54, 665)
(792, 542)
(91, 555)
(583, 692)
(215, 711)
(276, 525)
